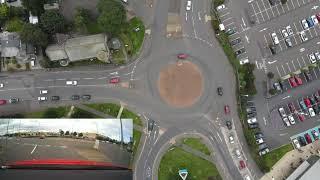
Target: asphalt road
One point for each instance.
(205, 117)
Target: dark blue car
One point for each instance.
(310, 22)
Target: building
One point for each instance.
(11, 46)
(79, 48)
(308, 170)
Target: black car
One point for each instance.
(302, 141)
(251, 115)
(229, 125)
(86, 97)
(10, 1)
(258, 135)
(273, 49)
(230, 31)
(150, 124)
(14, 100)
(75, 97)
(250, 104)
(235, 41)
(283, 85)
(55, 98)
(253, 125)
(308, 75)
(240, 51)
(220, 91)
(262, 146)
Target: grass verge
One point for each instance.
(57, 112)
(195, 143)
(176, 159)
(135, 36)
(274, 156)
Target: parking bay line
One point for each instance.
(283, 69)
(266, 11)
(224, 14)
(299, 63)
(304, 61)
(278, 71)
(292, 4)
(289, 67)
(260, 11)
(255, 13)
(298, 3)
(293, 66)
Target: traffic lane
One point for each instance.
(115, 153)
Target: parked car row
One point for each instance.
(73, 97)
(310, 21)
(306, 138)
(11, 101)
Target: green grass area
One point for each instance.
(274, 156)
(107, 108)
(176, 159)
(126, 43)
(136, 140)
(118, 57)
(57, 112)
(79, 113)
(136, 37)
(14, 25)
(196, 144)
(85, 63)
(93, 27)
(128, 114)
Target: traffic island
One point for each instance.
(180, 84)
(176, 159)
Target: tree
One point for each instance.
(81, 19)
(14, 25)
(284, 1)
(61, 132)
(270, 75)
(74, 133)
(67, 133)
(112, 16)
(52, 22)
(79, 113)
(33, 34)
(80, 135)
(51, 113)
(35, 6)
(4, 12)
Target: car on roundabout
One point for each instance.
(182, 56)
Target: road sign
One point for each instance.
(183, 173)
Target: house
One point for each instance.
(78, 49)
(11, 46)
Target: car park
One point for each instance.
(304, 24)
(284, 33)
(258, 135)
(43, 91)
(220, 91)
(308, 138)
(55, 98)
(301, 117)
(308, 75)
(291, 119)
(235, 41)
(273, 49)
(259, 141)
(318, 16)
(303, 36)
(315, 134)
(317, 96)
(222, 6)
(252, 120)
(292, 82)
(288, 42)
(314, 19)
(312, 58)
(302, 105)
(277, 86)
(262, 146)
(251, 115)
(291, 107)
(289, 30)
(296, 143)
(1, 85)
(307, 102)
(312, 100)
(317, 54)
(75, 97)
(86, 97)
(14, 100)
(73, 83)
(282, 112)
(298, 79)
(240, 51)
(229, 125)
(244, 61)
(286, 121)
(188, 6)
(230, 31)
(275, 38)
(42, 98)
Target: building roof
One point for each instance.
(10, 44)
(80, 48)
(308, 170)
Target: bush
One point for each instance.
(18, 66)
(14, 25)
(215, 25)
(79, 113)
(217, 3)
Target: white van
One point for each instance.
(32, 63)
(275, 38)
(221, 27)
(74, 83)
(244, 61)
(43, 91)
(42, 98)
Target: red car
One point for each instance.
(301, 117)
(114, 80)
(292, 82)
(318, 16)
(242, 164)
(182, 56)
(291, 107)
(308, 138)
(226, 109)
(298, 80)
(307, 102)
(3, 102)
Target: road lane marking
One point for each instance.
(60, 79)
(103, 78)
(34, 149)
(219, 137)
(271, 62)
(199, 16)
(88, 78)
(243, 22)
(286, 97)
(186, 16)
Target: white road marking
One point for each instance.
(289, 67)
(244, 22)
(302, 49)
(33, 149)
(283, 134)
(88, 78)
(247, 38)
(48, 80)
(219, 137)
(114, 73)
(271, 62)
(265, 121)
(103, 78)
(60, 79)
(199, 16)
(286, 97)
(186, 16)
(263, 29)
(293, 65)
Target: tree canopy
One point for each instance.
(35, 6)
(33, 34)
(112, 16)
(52, 22)
(81, 19)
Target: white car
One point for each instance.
(303, 36)
(291, 119)
(304, 24)
(317, 54)
(286, 121)
(247, 177)
(231, 139)
(1, 85)
(74, 83)
(314, 19)
(188, 7)
(222, 6)
(312, 58)
(42, 98)
(289, 30)
(259, 141)
(284, 33)
(282, 112)
(43, 91)
(252, 120)
(237, 153)
(311, 112)
(296, 143)
(275, 38)
(244, 61)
